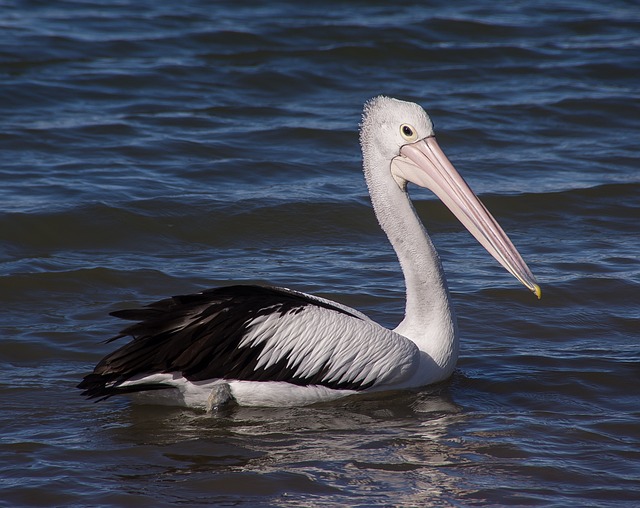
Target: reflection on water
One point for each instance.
(366, 443)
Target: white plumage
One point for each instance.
(276, 347)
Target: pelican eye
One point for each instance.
(408, 132)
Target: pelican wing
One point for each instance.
(253, 333)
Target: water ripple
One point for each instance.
(148, 150)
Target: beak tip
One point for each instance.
(537, 291)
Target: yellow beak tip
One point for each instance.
(537, 291)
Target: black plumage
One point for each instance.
(199, 336)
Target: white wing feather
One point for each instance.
(351, 349)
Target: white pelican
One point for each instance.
(269, 346)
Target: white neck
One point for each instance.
(429, 321)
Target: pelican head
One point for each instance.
(399, 144)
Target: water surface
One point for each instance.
(150, 150)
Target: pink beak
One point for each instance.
(425, 164)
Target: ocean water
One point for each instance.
(157, 148)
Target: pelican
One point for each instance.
(272, 346)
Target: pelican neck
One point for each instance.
(429, 320)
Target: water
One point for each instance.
(150, 149)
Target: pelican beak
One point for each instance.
(425, 164)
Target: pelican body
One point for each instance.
(270, 346)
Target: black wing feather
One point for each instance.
(199, 335)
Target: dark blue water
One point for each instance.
(155, 148)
